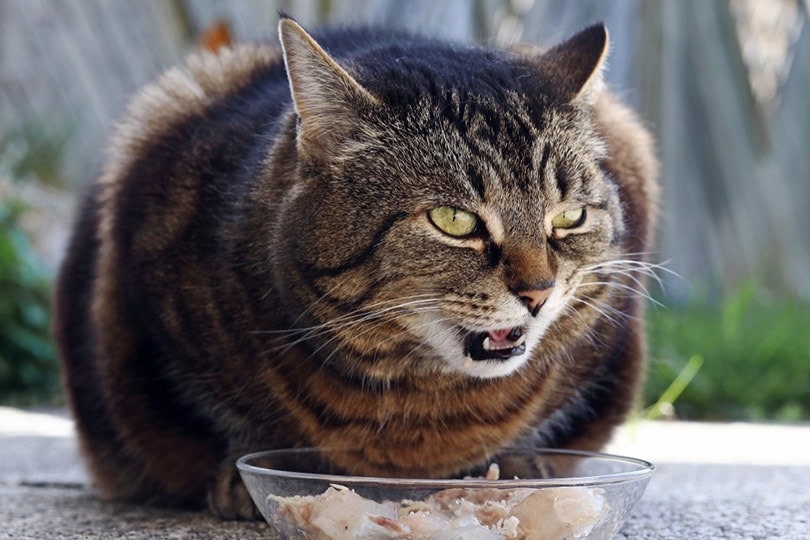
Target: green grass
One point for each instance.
(750, 358)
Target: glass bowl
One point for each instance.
(540, 494)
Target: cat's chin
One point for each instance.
(489, 369)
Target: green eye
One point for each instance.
(568, 219)
(453, 221)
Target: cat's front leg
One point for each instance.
(228, 497)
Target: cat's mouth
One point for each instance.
(500, 344)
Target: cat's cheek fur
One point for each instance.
(491, 369)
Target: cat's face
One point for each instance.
(449, 232)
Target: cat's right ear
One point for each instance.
(576, 66)
(325, 96)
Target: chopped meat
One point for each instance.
(469, 513)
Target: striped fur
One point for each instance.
(256, 267)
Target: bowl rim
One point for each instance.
(645, 470)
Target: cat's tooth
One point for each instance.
(468, 361)
(487, 345)
(520, 340)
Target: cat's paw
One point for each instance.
(228, 497)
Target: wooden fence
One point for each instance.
(736, 171)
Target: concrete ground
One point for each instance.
(738, 481)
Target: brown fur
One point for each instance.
(252, 272)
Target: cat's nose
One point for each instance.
(534, 297)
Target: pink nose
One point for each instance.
(534, 298)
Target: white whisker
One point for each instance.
(358, 318)
(641, 290)
(345, 320)
(364, 311)
(605, 310)
(627, 266)
(368, 329)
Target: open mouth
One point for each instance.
(496, 344)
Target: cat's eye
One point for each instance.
(454, 221)
(569, 219)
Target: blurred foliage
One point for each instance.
(29, 370)
(32, 152)
(750, 357)
(665, 406)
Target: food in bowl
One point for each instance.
(590, 501)
(482, 513)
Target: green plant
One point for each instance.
(755, 352)
(28, 364)
(665, 406)
(32, 150)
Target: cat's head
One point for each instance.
(451, 209)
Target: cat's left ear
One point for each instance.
(576, 66)
(325, 96)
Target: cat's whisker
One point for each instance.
(448, 333)
(631, 275)
(641, 290)
(630, 290)
(315, 304)
(569, 308)
(605, 310)
(344, 342)
(380, 316)
(346, 319)
(630, 262)
(350, 315)
(624, 266)
(427, 324)
(363, 317)
(630, 272)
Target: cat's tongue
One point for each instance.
(504, 339)
(500, 336)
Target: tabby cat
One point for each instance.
(422, 251)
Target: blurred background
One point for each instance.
(724, 84)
